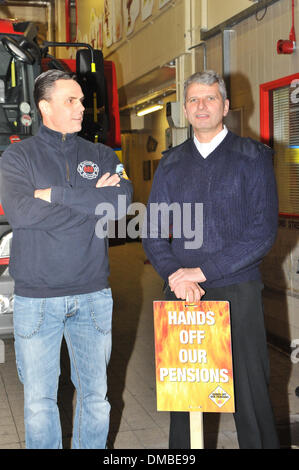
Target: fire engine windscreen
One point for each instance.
(13, 91)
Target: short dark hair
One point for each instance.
(45, 82)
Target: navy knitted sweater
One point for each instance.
(237, 188)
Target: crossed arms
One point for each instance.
(27, 207)
(105, 180)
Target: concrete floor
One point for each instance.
(135, 423)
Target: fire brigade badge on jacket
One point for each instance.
(89, 170)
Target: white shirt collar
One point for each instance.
(208, 147)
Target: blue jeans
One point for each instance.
(39, 325)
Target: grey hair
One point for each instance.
(208, 77)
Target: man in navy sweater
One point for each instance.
(51, 187)
(233, 179)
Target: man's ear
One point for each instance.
(226, 107)
(44, 107)
(185, 112)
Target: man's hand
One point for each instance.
(107, 180)
(186, 274)
(189, 291)
(44, 194)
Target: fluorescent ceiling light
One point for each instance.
(149, 109)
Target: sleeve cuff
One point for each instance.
(57, 194)
(170, 270)
(210, 270)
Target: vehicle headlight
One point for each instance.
(5, 245)
(6, 304)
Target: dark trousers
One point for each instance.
(254, 418)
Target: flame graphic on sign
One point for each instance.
(186, 386)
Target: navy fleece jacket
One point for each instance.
(237, 187)
(55, 249)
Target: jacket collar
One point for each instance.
(54, 137)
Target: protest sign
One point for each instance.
(193, 355)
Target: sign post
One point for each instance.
(196, 430)
(194, 371)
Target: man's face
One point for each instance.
(205, 110)
(64, 110)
